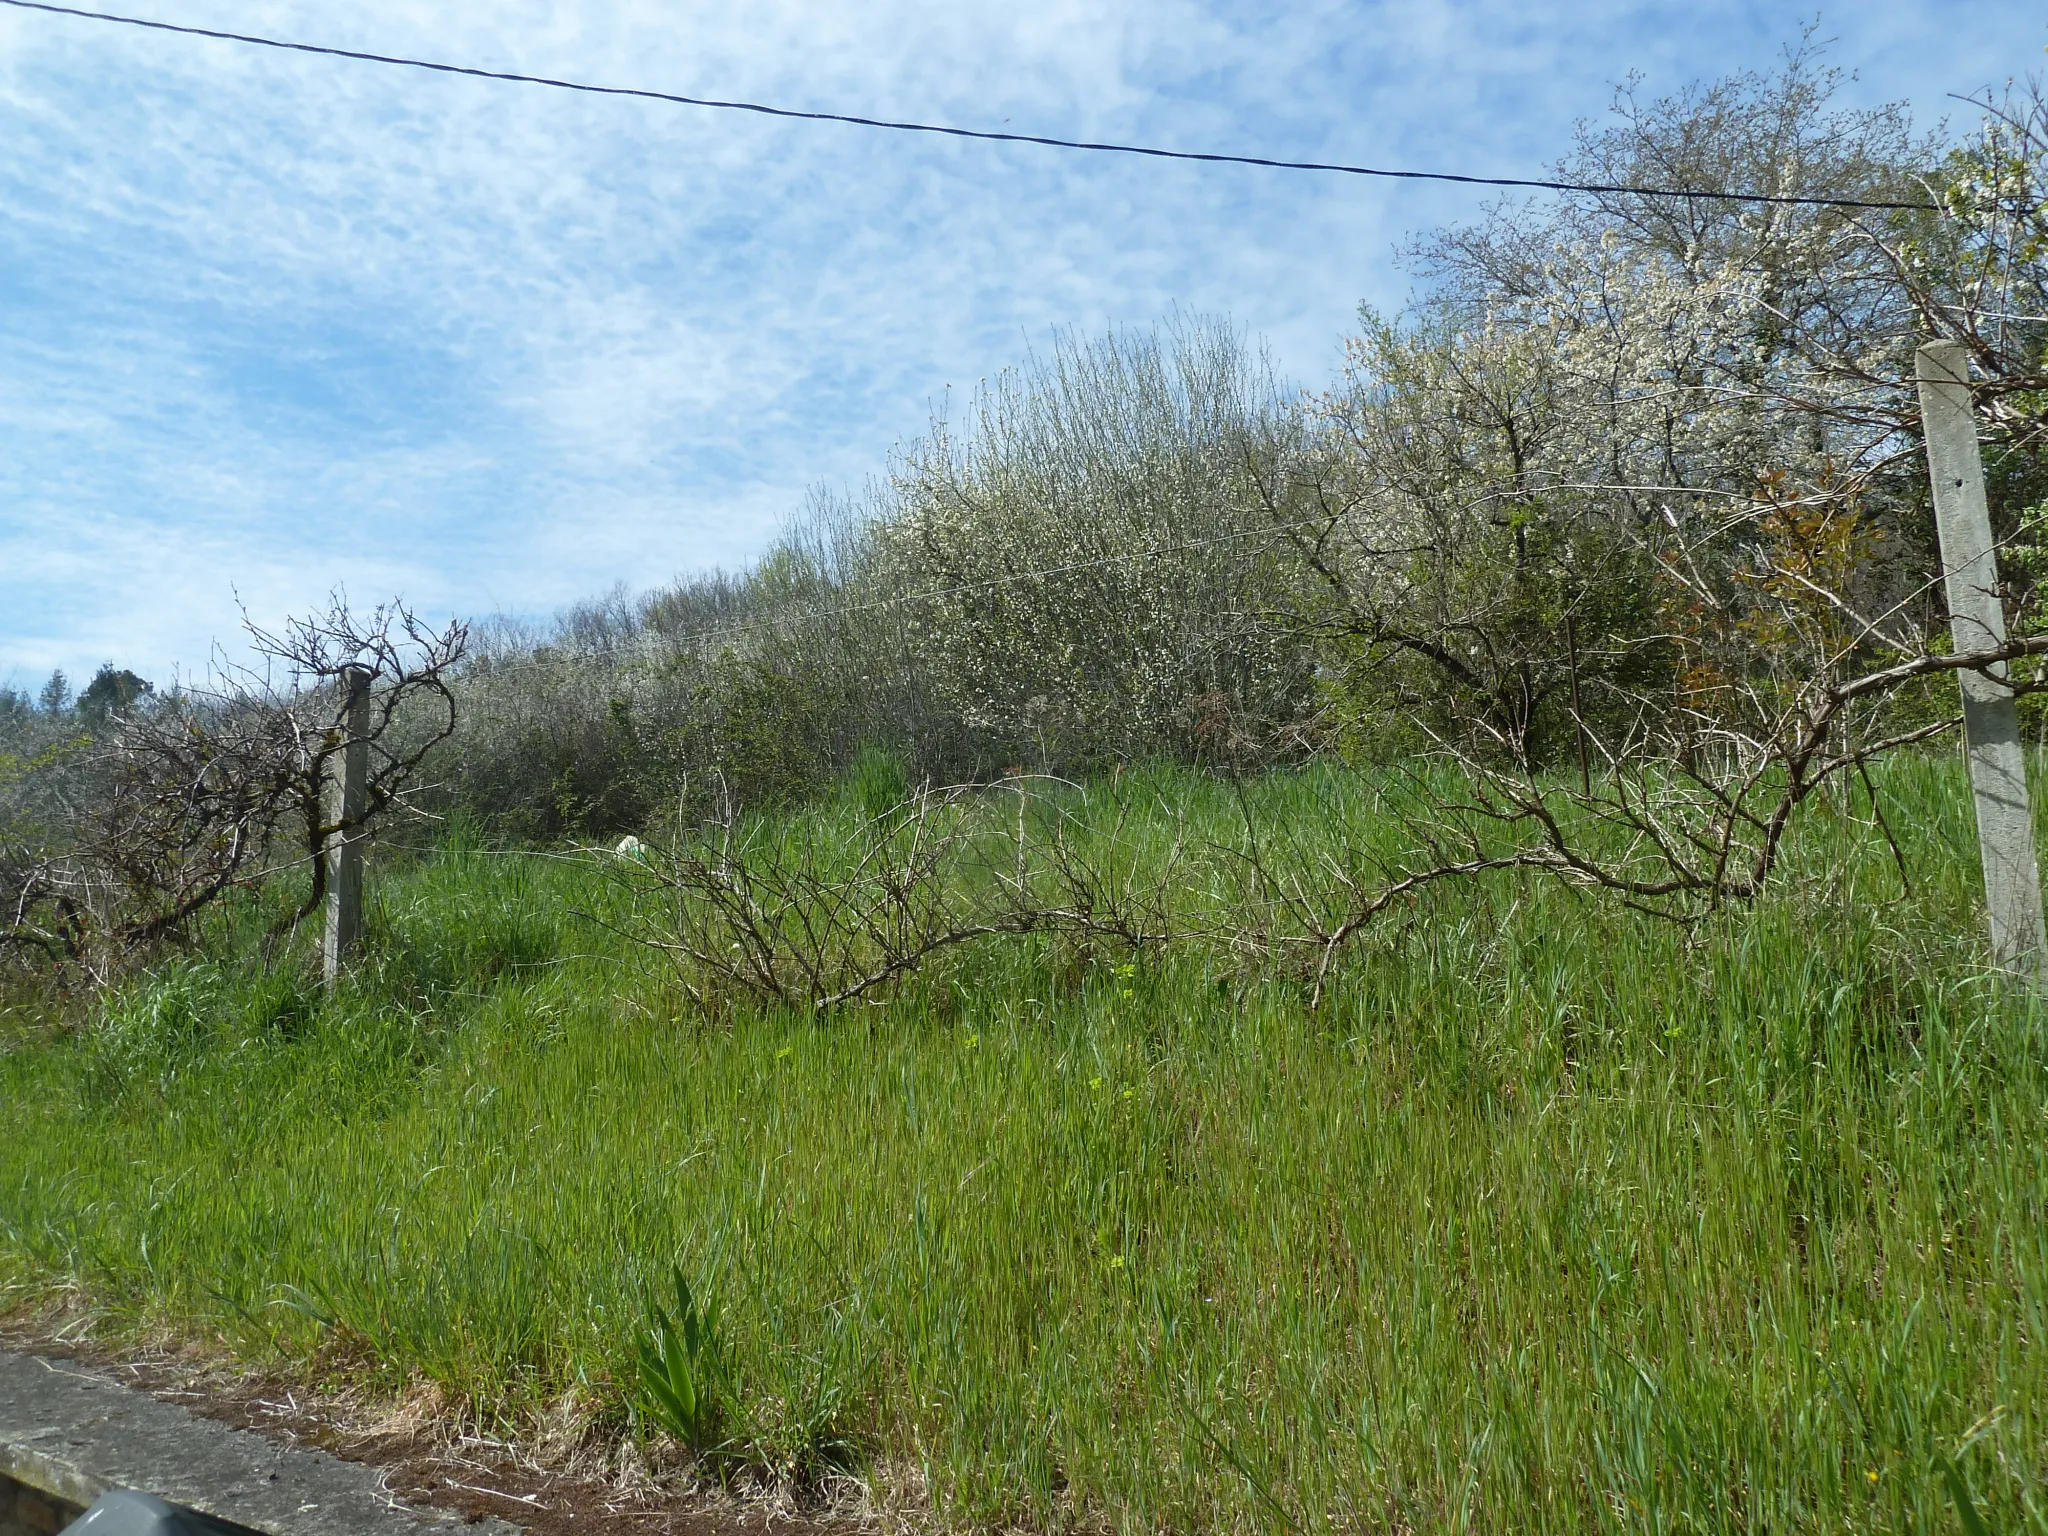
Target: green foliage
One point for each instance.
(256, 1026)
(759, 733)
(1551, 1219)
(875, 785)
(111, 692)
(151, 1028)
(682, 1373)
(1966, 1504)
(188, 1015)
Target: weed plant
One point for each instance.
(1550, 1218)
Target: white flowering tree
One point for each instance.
(1090, 566)
(1629, 516)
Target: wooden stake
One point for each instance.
(1991, 727)
(1571, 640)
(346, 802)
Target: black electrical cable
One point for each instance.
(966, 133)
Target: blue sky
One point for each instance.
(272, 324)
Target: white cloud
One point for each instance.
(273, 323)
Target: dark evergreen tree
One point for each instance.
(111, 692)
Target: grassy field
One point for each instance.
(1551, 1218)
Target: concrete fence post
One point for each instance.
(347, 799)
(1991, 730)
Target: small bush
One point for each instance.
(682, 1374)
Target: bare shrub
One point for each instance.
(819, 911)
(207, 792)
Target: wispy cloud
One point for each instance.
(270, 324)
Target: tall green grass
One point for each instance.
(1551, 1218)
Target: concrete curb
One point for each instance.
(68, 1433)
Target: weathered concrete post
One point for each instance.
(1991, 729)
(346, 800)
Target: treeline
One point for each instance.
(1080, 573)
(1624, 460)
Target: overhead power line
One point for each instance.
(970, 133)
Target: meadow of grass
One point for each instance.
(1550, 1218)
